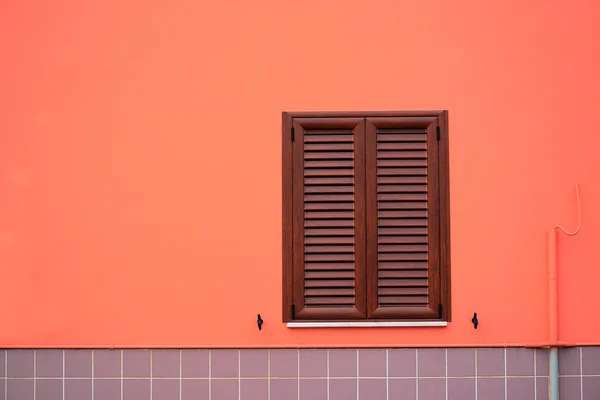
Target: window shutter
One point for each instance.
(403, 223)
(328, 206)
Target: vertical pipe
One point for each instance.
(552, 317)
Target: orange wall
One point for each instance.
(140, 161)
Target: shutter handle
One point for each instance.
(259, 322)
(474, 320)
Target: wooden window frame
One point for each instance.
(440, 118)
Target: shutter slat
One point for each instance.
(402, 214)
(402, 180)
(392, 274)
(337, 172)
(328, 164)
(401, 265)
(338, 206)
(399, 163)
(328, 276)
(395, 145)
(328, 214)
(328, 138)
(399, 301)
(399, 172)
(399, 155)
(329, 232)
(401, 205)
(329, 146)
(329, 180)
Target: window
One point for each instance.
(366, 217)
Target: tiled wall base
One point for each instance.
(291, 374)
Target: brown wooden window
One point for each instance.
(366, 216)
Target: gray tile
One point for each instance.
(342, 389)
(254, 362)
(136, 363)
(2, 361)
(49, 364)
(520, 388)
(542, 362)
(107, 389)
(2, 386)
(313, 363)
(78, 363)
(490, 362)
(107, 363)
(342, 363)
(519, 362)
(165, 389)
(568, 361)
(371, 362)
(194, 389)
(569, 387)
(402, 362)
(432, 389)
(224, 363)
(490, 388)
(372, 389)
(461, 389)
(194, 363)
(313, 389)
(225, 389)
(19, 389)
(20, 364)
(432, 362)
(461, 362)
(254, 389)
(284, 389)
(284, 363)
(136, 389)
(165, 363)
(590, 360)
(48, 389)
(542, 388)
(78, 389)
(591, 387)
(402, 388)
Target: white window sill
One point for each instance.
(383, 324)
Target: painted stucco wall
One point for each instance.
(140, 161)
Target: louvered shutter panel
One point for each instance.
(403, 217)
(328, 218)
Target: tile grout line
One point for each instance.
(298, 359)
(63, 375)
(446, 359)
(476, 373)
(180, 374)
(505, 379)
(327, 374)
(209, 374)
(357, 375)
(387, 374)
(121, 374)
(239, 375)
(534, 374)
(417, 374)
(581, 370)
(269, 374)
(5, 374)
(34, 374)
(93, 371)
(151, 357)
